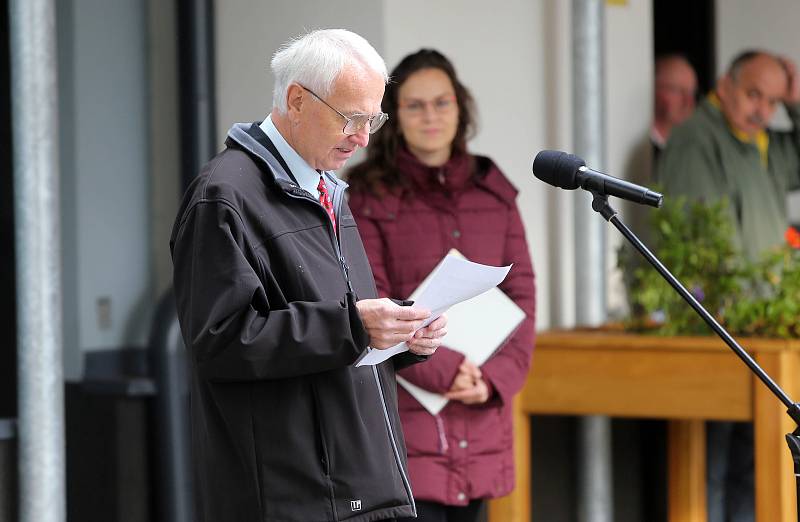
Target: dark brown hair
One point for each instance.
(378, 172)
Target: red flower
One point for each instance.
(792, 236)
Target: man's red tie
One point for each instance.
(325, 199)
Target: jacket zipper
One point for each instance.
(346, 270)
(392, 438)
(334, 240)
(403, 473)
(346, 274)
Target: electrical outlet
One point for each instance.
(104, 313)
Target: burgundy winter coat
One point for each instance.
(465, 452)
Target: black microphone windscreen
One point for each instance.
(558, 168)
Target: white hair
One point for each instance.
(316, 59)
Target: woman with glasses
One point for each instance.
(418, 194)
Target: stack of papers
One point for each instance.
(480, 320)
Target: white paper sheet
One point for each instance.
(453, 281)
(476, 328)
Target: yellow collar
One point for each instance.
(760, 139)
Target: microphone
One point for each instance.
(569, 172)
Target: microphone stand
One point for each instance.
(600, 205)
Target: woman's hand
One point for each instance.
(468, 385)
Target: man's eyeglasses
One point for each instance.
(356, 122)
(440, 105)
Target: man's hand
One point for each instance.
(388, 323)
(428, 339)
(793, 87)
(468, 385)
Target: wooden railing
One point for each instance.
(685, 380)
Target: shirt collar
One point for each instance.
(656, 137)
(306, 176)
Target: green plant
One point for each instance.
(771, 308)
(693, 240)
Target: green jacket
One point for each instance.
(704, 160)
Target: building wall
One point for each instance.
(248, 32)
(105, 190)
(164, 135)
(767, 24)
(629, 94)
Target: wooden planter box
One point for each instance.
(685, 380)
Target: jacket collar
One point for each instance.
(451, 177)
(460, 171)
(488, 177)
(257, 144)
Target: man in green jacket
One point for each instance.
(725, 150)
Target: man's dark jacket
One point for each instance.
(284, 427)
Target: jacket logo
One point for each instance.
(355, 505)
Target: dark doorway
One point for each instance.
(687, 27)
(8, 316)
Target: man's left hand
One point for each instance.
(427, 340)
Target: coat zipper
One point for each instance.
(346, 274)
(403, 472)
(335, 238)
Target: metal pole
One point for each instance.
(34, 98)
(203, 51)
(198, 108)
(173, 430)
(595, 495)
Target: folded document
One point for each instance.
(453, 281)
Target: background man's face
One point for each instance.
(676, 87)
(749, 100)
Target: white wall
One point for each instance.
(248, 32)
(766, 24)
(629, 88)
(105, 207)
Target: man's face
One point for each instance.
(749, 100)
(317, 130)
(676, 86)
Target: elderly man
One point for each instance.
(674, 97)
(276, 302)
(725, 150)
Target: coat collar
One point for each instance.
(451, 177)
(487, 177)
(253, 140)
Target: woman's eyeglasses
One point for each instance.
(440, 105)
